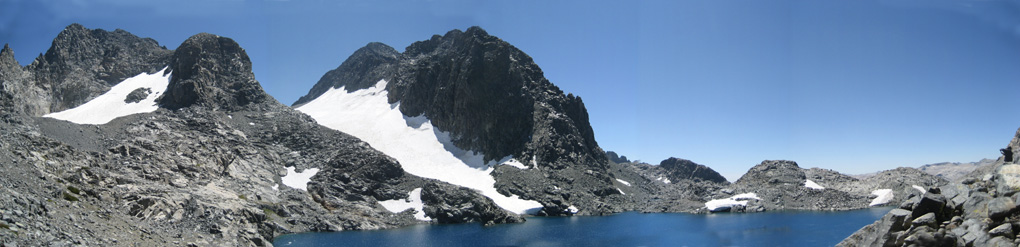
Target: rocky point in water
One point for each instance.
(978, 210)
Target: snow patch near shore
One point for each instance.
(420, 148)
(739, 199)
(298, 180)
(413, 201)
(110, 105)
(884, 196)
(572, 210)
(813, 185)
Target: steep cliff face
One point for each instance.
(491, 99)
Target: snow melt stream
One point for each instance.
(111, 105)
(421, 149)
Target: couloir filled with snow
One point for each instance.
(421, 149)
(111, 105)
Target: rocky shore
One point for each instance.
(978, 210)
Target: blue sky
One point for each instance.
(854, 86)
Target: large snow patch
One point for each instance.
(111, 105)
(421, 149)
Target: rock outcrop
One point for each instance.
(612, 156)
(451, 204)
(979, 210)
(782, 184)
(214, 72)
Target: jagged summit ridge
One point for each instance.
(377, 59)
(211, 71)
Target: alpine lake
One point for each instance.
(778, 228)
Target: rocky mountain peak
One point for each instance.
(7, 62)
(491, 98)
(83, 63)
(7, 56)
(680, 169)
(774, 172)
(361, 70)
(212, 71)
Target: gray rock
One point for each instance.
(1006, 229)
(927, 219)
(1000, 207)
(1000, 242)
(137, 95)
(932, 203)
(453, 204)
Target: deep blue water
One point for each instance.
(787, 228)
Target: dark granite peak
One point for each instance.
(211, 71)
(363, 69)
(493, 99)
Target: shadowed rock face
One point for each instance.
(214, 72)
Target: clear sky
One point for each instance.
(856, 86)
